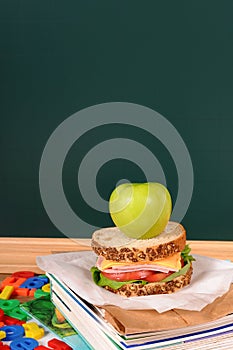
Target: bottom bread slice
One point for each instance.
(137, 289)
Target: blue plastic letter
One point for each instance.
(24, 344)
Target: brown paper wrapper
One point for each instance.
(139, 321)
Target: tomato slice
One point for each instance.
(146, 275)
(128, 276)
(157, 276)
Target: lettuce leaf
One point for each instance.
(182, 271)
(185, 254)
(103, 281)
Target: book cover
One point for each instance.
(44, 311)
(137, 341)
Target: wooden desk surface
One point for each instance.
(20, 253)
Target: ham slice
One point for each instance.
(138, 268)
(99, 262)
(132, 267)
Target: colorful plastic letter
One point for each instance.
(10, 321)
(1, 314)
(13, 281)
(40, 293)
(44, 278)
(32, 330)
(32, 292)
(2, 334)
(12, 332)
(23, 292)
(23, 274)
(24, 344)
(33, 282)
(3, 346)
(46, 288)
(57, 344)
(7, 305)
(17, 313)
(40, 347)
(6, 293)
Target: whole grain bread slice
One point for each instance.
(113, 244)
(138, 289)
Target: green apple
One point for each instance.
(140, 210)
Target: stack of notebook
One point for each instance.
(103, 331)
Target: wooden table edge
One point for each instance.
(20, 253)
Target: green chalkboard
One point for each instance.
(59, 57)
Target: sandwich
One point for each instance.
(138, 267)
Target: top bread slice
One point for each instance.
(113, 244)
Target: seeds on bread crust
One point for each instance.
(137, 255)
(134, 289)
(129, 250)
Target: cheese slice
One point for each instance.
(172, 262)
